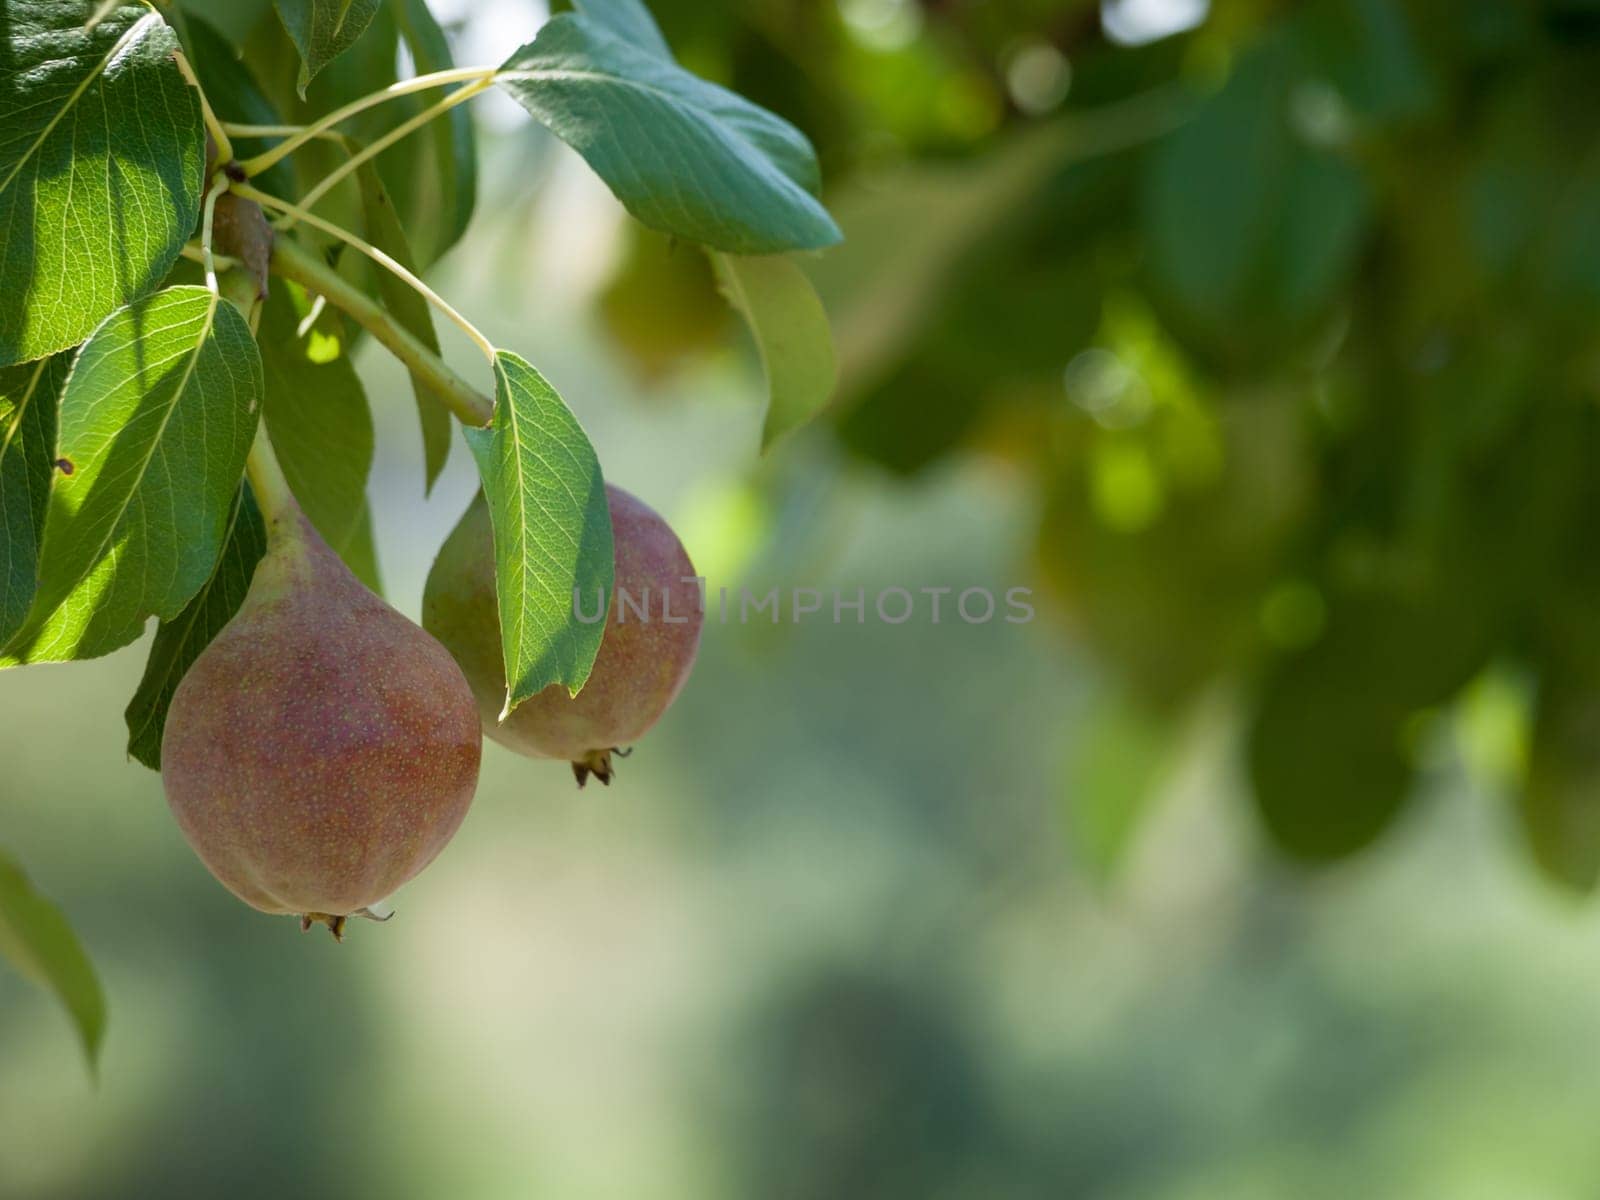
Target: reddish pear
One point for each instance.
(651, 636)
(322, 749)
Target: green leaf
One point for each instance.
(791, 331)
(449, 184)
(1368, 50)
(316, 413)
(552, 530)
(103, 152)
(361, 555)
(234, 20)
(29, 394)
(684, 156)
(179, 642)
(155, 422)
(410, 310)
(36, 938)
(322, 30)
(629, 20)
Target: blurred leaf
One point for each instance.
(912, 417)
(1560, 802)
(1023, 311)
(408, 308)
(906, 232)
(1325, 765)
(912, 233)
(1173, 597)
(1120, 756)
(662, 305)
(683, 155)
(84, 168)
(37, 940)
(451, 183)
(552, 530)
(179, 642)
(29, 394)
(1250, 229)
(1533, 197)
(322, 30)
(1327, 752)
(155, 422)
(316, 413)
(1369, 52)
(790, 330)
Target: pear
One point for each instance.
(644, 660)
(322, 749)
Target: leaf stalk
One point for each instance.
(326, 184)
(292, 261)
(269, 158)
(376, 255)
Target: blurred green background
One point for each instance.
(1261, 339)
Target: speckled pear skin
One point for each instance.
(322, 749)
(641, 667)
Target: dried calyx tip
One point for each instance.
(336, 924)
(598, 764)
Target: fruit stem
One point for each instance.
(268, 158)
(459, 96)
(293, 261)
(213, 126)
(267, 480)
(376, 255)
(219, 184)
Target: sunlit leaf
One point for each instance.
(552, 530)
(36, 939)
(155, 423)
(317, 415)
(101, 156)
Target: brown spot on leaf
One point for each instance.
(64, 465)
